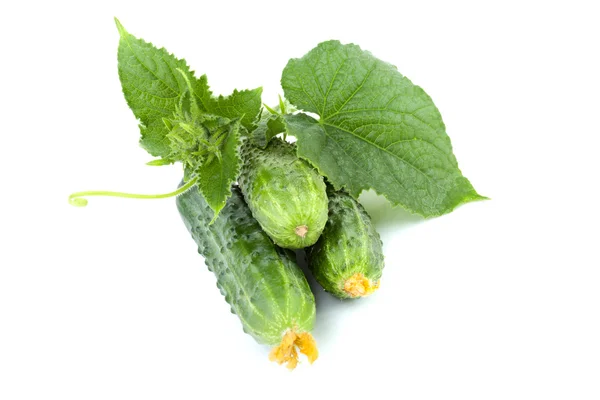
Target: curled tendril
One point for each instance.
(77, 199)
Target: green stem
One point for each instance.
(77, 200)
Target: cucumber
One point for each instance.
(261, 282)
(348, 258)
(287, 196)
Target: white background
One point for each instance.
(498, 300)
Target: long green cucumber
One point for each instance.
(286, 195)
(261, 282)
(348, 258)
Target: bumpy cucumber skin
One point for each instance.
(261, 282)
(349, 245)
(284, 193)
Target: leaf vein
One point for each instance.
(388, 152)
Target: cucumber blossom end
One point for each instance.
(261, 282)
(301, 230)
(292, 343)
(360, 286)
(347, 260)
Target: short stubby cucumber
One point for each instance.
(348, 258)
(261, 282)
(286, 195)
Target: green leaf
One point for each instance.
(270, 122)
(269, 125)
(217, 173)
(376, 130)
(157, 86)
(244, 104)
(202, 91)
(152, 86)
(159, 162)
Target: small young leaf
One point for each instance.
(152, 86)
(376, 130)
(244, 104)
(159, 162)
(218, 173)
(269, 125)
(270, 122)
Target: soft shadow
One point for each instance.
(384, 216)
(330, 309)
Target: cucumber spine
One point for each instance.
(261, 282)
(348, 258)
